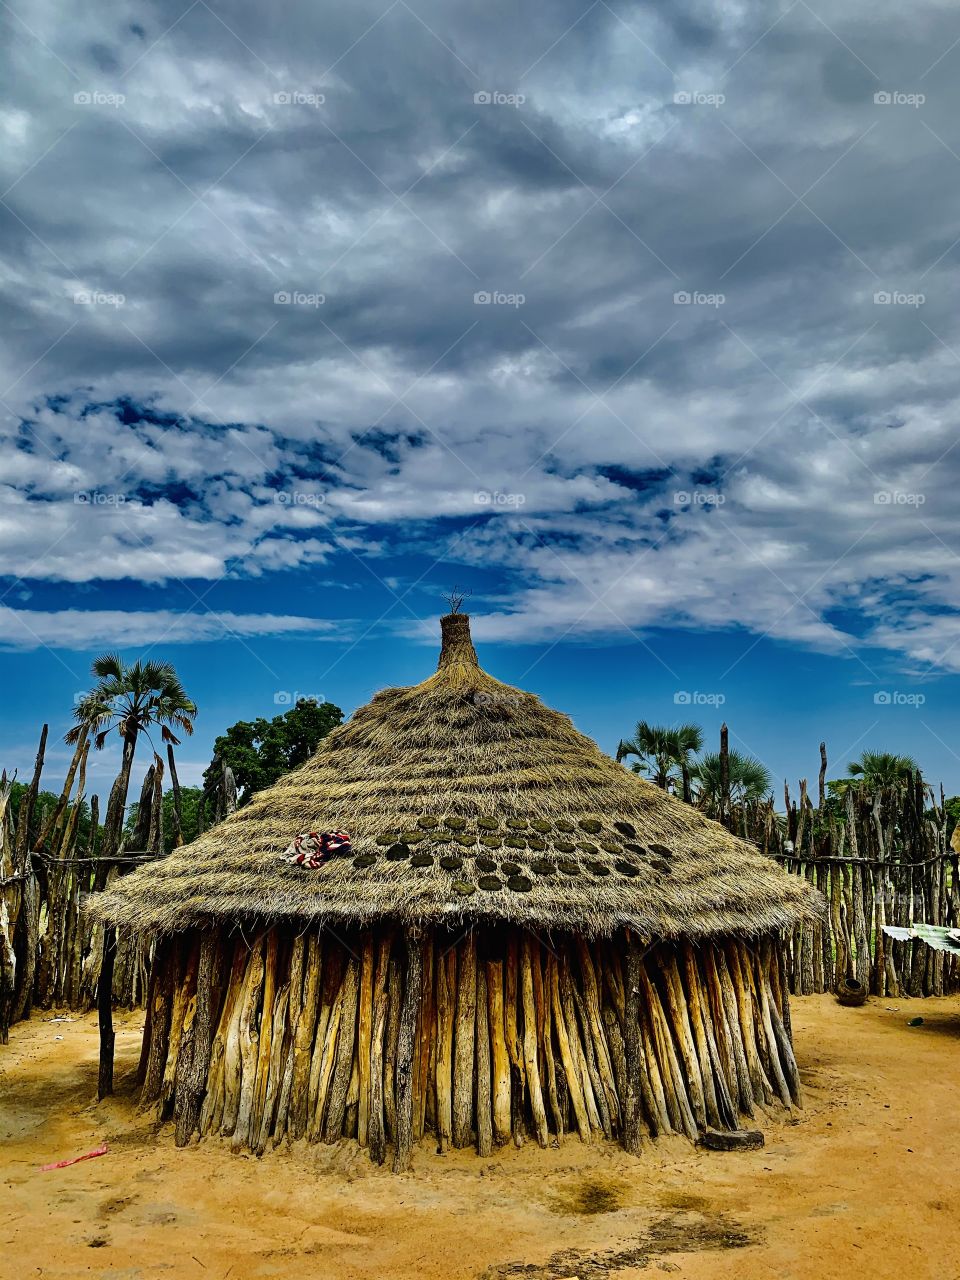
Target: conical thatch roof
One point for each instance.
(467, 798)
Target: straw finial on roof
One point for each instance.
(457, 647)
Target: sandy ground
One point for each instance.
(864, 1181)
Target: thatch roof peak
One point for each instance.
(467, 798)
(456, 647)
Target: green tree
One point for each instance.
(662, 752)
(951, 808)
(189, 812)
(875, 771)
(260, 751)
(46, 803)
(749, 780)
(130, 701)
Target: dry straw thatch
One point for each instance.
(468, 799)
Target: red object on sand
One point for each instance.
(62, 1164)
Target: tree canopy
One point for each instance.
(260, 751)
(661, 752)
(189, 809)
(749, 780)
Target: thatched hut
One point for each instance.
(523, 940)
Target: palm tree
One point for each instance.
(130, 700)
(749, 780)
(875, 771)
(662, 751)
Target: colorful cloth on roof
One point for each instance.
(311, 848)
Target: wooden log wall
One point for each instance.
(483, 1038)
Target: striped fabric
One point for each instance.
(311, 848)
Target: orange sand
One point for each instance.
(865, 1181)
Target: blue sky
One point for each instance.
(638, 320)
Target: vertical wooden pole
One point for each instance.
(343, 1070)
(501, 1059)
(377, 1121)
(465, 1041)
(406, 1045)
(633, 1053)
(446, 988)
(365, 1038)
(105, 1013)
(192, 1073)
(395, 985)
(571, 1067)
(484, 1109)
(531, 1064)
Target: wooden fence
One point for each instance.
(51, 954)
(880, 858)
(51, 858)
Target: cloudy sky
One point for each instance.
(639, 320)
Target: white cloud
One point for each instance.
(90, 628)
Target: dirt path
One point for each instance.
(865, 1181)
